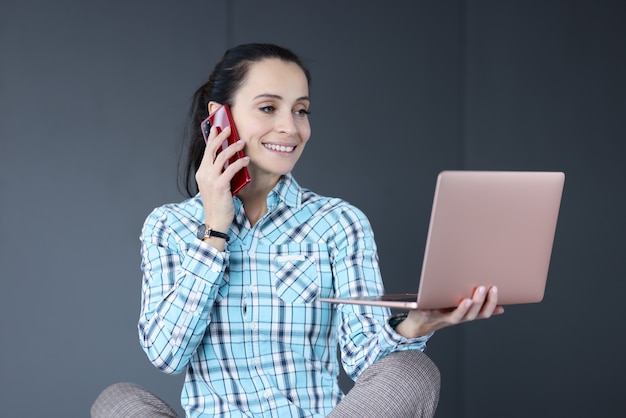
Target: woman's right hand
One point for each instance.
(214, 181)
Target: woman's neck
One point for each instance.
(254, 197)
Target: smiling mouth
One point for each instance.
(280, 148)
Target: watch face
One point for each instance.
(201, 231)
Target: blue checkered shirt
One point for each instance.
(245, 324)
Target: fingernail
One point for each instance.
(481, 290)
(494, 289)
(468, 303)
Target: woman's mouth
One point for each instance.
(280, 148)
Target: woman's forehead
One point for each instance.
(275, 77)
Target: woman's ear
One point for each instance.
(212, 106)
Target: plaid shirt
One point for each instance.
(245, 324)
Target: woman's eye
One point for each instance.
(302, 112)
(267, 109)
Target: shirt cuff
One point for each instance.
(398, 342)
(205, 262)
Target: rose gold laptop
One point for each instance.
(486, 228)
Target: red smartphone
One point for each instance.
(222, 119)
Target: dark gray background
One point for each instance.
(92, 101)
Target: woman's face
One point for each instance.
(270, 111)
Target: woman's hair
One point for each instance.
(226, 78)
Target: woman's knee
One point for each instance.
(404, 384)
(410, 378)
(413, 367)
(129, 400)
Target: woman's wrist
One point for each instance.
(410, 328)
(213, 237)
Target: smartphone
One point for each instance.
(222, 119)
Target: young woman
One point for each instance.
(236, 308)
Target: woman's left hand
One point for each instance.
(482, 304)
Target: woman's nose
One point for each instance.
(286, 124)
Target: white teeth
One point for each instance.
(280, 148)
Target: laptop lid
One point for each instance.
(493, 228)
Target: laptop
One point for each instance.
(492, 228)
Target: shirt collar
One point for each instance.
(288, 191)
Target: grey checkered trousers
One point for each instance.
(404, 384)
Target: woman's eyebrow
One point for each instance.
(278, 97)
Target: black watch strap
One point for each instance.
(205, 232)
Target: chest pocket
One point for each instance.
(301, 272)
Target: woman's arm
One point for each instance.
(182, 279)
(365, 333)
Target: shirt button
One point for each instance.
(252, 288)
(268, 393)
(257, 361)
(253, 326)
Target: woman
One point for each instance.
(237, 308)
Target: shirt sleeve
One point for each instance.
(366, 333)
(182, 278)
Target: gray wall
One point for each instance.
(92, 101)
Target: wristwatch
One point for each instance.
(205, 232)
